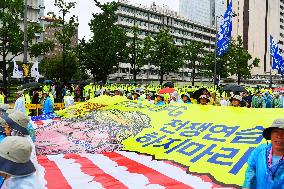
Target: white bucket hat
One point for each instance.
(277, 123)
(237, 97)
(15, 153)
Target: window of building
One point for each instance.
(206, 38)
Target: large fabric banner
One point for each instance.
(206, 140)
(116, 170)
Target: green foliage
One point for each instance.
(237, 61)
(53, 68)
(162, 52)
(134, 52)
(208, 65)
(107, 47)
(193, 52)
(65, 37)
(240, 61)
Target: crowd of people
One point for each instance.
(69, 94)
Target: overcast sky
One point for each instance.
(85, 8)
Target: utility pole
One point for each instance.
(25, 60)
(63, 45)
(135, 30)
(215, 59)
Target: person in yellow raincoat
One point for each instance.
(27, 101)
(2, 98)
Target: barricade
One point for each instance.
(38, 107)
(32, 107)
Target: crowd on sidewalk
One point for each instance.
(69, 94)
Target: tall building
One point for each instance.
(49, 34)
(202, 11)
(150, 21)
(255, 22)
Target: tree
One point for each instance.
(52, 68)
(134, 51)
(208, 65)
(12, 36)
(240, 61)
(194, 53)
(107, 47)
(162, 52)
(65, 36)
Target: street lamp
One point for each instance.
(215, 59)
(25, 59)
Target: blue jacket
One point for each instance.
(2, 136)
(258, 176)
(268, 100)
(160, 103)
(47, 106)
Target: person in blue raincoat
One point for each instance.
(267, 100)
(266, 163)
(175, 98)
(160, 100)
(47, 107)
(186, 98)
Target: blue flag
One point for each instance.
(225, 32)
(277, 60)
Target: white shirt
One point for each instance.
(20, 105)
(25, 182)
(68, 101)
(33, 154)
(224, 102)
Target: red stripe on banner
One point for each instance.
(38, 122)
(53, 175)
(89, 168)
(154, 176)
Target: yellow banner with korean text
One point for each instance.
(210, 140)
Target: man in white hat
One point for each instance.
(203, 100)
(266, 163)
(15, 165)
(186, 98)
(236, 100)
(68, 100)
(175, 98)
(20, 102)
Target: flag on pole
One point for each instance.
(17, 71)
(277, 60)
(225, 32)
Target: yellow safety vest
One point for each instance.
(27, 99)
(2, 99)
(51, 97)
